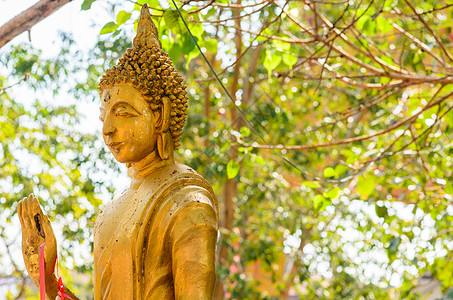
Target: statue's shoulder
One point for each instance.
(175, 177)
(178, 169)
(183, 184)
(175, 174)
(176, 189)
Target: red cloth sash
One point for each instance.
(42, 277)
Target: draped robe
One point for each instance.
(157, 240)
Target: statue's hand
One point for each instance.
(36, 229)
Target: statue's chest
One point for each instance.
(107, 226)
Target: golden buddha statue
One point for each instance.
(157, 239)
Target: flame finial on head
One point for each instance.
(147, 35)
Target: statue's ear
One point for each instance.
(164, 140)
(163, 118)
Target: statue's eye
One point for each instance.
(125, 111)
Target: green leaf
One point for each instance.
(329, 172)
(449, 188)
(388, 5)
(116, 33)
(318, 201)
(366, 25)
(383, 25)
(369, 28)
(272, 60)
(211, 45)
(365, 186)
(289, 60)
(281, 46)
(259, 160)
(333, 193)
(232, 169)
(266, 32)
(381, 211)
(86, 5)
(416, 58)
(191, 55)
(151, 4)
(7, 131)
(173, 21)
(312, 184)
(226, 146)
(244, 131)
(196, 29)
(109, 27)
(341, 169)
(135, 25)
(188, 44)
(175, 52)
(361, 22)
(122, 17)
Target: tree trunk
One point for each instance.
(249, 86)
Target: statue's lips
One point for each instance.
(115, 146)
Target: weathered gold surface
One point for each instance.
(157, 239)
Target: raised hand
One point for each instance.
(36, 229)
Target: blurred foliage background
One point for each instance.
(335, 178)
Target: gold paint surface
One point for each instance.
(157, 239)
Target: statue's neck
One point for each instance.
(148, 164)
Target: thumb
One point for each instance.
(51, 244)
(48, 231)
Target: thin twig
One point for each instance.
(422, 45)
(439, 42)
(25, 78)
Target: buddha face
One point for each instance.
(129, 128)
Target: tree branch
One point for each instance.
(422, 45)
(29, 18)
(354, 139)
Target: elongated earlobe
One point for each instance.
(164, 145)
(164, 139)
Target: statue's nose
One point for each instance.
(108, 128)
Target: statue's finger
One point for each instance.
(29, 215)
(19, 210)
(48, 231)
(19, 213)
(34, 198)
(22, 212)
(30, 197)
(36, 208)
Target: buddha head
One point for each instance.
(143, 99)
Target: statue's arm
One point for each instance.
(97, 282)
(36, 229)
(194, 237)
